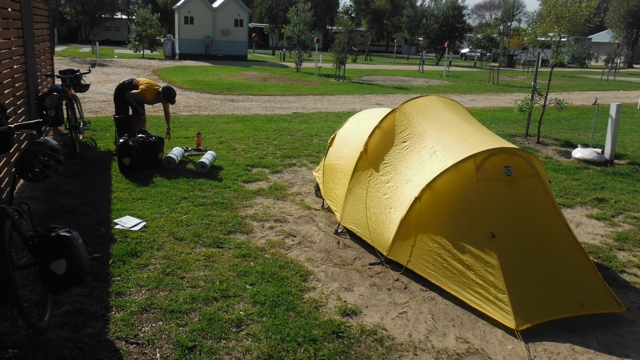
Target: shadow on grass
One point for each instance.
(613, 334)
(144, 177)
(79, 198)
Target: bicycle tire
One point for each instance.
(72, 125)
(80, 114)
(21, 276)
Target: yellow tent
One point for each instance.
(431, 188)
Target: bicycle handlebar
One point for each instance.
(33, 125)
(68, 76)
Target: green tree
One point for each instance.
(88, 14)
(622, 20)
(298, 32)
(275, 14)
(325, 12)
(446, 21)
(145, 30)
(559, 19)
(412, 18)
(372, 15)
(340, 48)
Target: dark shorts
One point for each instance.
(120, 100)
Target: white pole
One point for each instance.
(97, 49)
(446, 55)
(612, 131)
(315, 72)
(395, 46)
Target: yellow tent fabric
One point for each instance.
(432, 189)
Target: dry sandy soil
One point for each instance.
(411, 308)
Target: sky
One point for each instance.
(531, 4)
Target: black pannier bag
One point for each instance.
(77, 82)
(151, 149)
(128, 153)
(62, 258)
(49, 105)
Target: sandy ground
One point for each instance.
(408, 306)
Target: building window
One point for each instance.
(238, 23)
(188, 20)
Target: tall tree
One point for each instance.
(373, 15)
(325, 12)
(88, 14)
(298, 31)
(412, 19)
(446, 21)
(275, 14)
(145, 30)
(340, 48)
(622, 20)
(485, 12)
(559, 19)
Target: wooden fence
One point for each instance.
(26, 55)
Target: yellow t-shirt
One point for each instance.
(147, 91)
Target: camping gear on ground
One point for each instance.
(128, 153)
(589, 154)
(202, 166)
(198, 139)
(151, 149)
(207, 158)
(173, 158)
(62, 258)
(431, 188)
(140, 150)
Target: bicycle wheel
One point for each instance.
(80, 114)
(72, 124)
(21, 276)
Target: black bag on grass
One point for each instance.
(128, 153)
(62, 258)
(151, 149)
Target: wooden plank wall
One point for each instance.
(14, 87)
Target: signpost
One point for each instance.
(316, 41)
(395, 46)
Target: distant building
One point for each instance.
(112, 29)
(211, 29)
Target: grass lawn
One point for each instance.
(107, 52)
(186, 284)
(263, 78)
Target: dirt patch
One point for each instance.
(274, 78)
(513, 78)
(411, 308)
(401, 80)
(547, 147)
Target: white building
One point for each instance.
(210, 29)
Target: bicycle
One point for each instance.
(72, 83)
(19, 271)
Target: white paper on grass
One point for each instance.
(134, 228)
(129, 223)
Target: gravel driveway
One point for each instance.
(109, 72)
